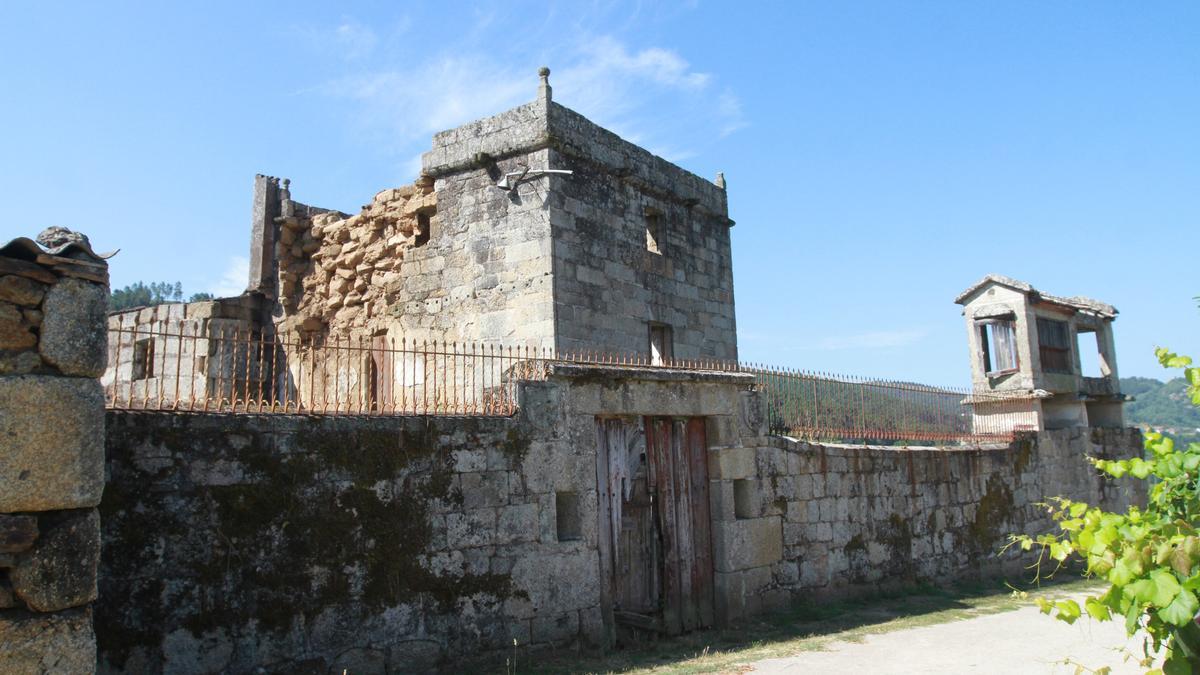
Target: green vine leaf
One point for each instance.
(1181, 610)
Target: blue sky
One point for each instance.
(881, 156)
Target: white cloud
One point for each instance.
(439, 95)
(651, 96)
(348, 40)
(355, 39)
(234, 280)
(729, 108)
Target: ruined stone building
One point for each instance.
(534, 227)
(601, 503)
(1027, 344)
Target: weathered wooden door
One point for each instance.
(380, 374)
(656, 546)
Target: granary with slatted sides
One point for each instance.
(1041, 361)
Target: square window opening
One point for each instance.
(654, 239)
(1054, 346)
(567, 517)
(662, 347)
(1091, 361)
(998, 342)
(143, 359)
(424, 230)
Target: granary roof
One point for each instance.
(1076, 302)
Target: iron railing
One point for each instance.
(239, 371)
(825, 406)
(243, 371)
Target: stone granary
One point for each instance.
(532, 227)
(1027, 343)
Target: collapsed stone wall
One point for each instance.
(338, 273)
(808, 520)
(52, 350)
(317, 544)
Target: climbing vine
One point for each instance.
(1149, 556)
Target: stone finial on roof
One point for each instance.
(720, 181)
(545, 93)
(58, 237)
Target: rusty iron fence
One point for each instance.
(244, 371)
(826, 406)
(241, 371)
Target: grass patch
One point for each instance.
(800, 628)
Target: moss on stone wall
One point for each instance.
(993, 515)
(317, 515)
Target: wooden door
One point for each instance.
(656, 546)
(380, 374)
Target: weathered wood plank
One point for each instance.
(689, 612)
(604, 531)
(672, 598)
(24, 268)
(702, 569)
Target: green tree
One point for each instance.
(144, 295)
(1150, 557)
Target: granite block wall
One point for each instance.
(803, 520)
(609, 286)
(52, 350)
(297, 544)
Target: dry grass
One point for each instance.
(803, 627)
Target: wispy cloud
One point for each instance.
(348, 39)
(729, 108)
(406, 105)
(234, 280)
(652, 95)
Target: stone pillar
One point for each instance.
(53, 346)
(262, 235)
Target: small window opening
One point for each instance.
(567, 517)
(1054, 346)
(661, 344)
(998, 340)
(1091, 361)
(743, 499)
(654, 232)
(424, 228)
(143, 359)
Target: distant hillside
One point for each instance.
(1161, 405)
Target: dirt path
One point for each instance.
(1020, 641)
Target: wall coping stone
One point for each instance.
(627, 373)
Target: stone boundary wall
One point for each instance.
(804, 520)
(52, 350)
(317, 544)
(400, 544)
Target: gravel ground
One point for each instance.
(1020, 641)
